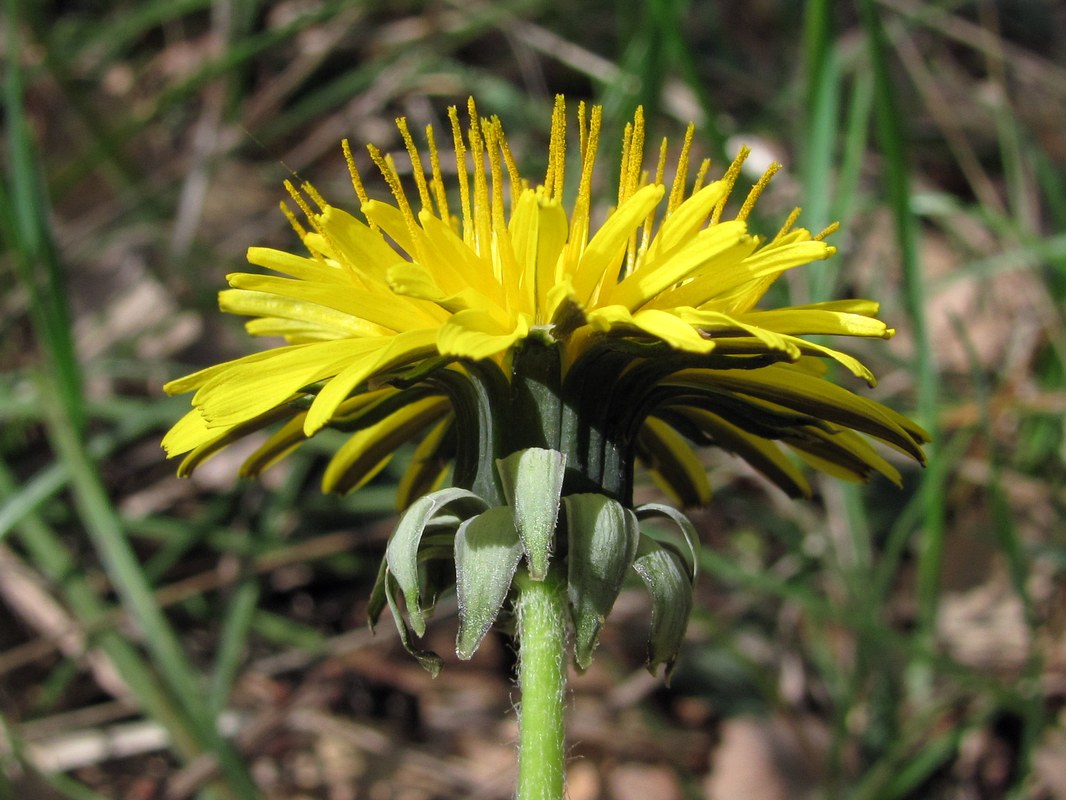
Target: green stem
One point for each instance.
(542, 636)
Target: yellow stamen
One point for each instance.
(416, 163)
(636, 153)
(632, 157)
(789, 222)
(623, 168)
(301, 231)
(313, 193)
(513, 175)
(579, 219)
(509, 278)
(357, 181)
(701, 175)
(582, 128)
(677, 188)
(649, 221)
(463, 175)
(828, 231)
(298, 198)
(553, 180)
(482, 219)
(730, 180)
(388, 171)
(437, 181)
(309, 213)
(757, 190)
(592, 143)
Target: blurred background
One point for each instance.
(873, 643)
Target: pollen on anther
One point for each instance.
(677, 188)
(827, 231)
(701, 175)
(387, 168)
(632, 157)
(789, 222)
(553, 180)
(314, 194)
(660, 171)
(357, 181)
(437, 180)
(301, 231)
(462, 175)
(757, 190)
(730, 180)
(300, 201)
(416, 163)
(514, 177)
(482, 219)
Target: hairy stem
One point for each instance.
(542, 637)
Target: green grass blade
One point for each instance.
(24, 208)
(50, 555)
(108, 537)
(106, 532)
(232, 645)
(855, 141)
(15, 762)
(30, 496)
(821, 108)
(893, 142)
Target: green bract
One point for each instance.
(603, 541)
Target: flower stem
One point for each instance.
(542, 637)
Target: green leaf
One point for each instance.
(602, 542)
(429, 660)
(691, 551)
(377, 600)
(402, 553)
(666, 575)
(487, 553)
(532, 482)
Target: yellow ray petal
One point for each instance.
(311, 315)
(380, 308)
(800, 390)
(392, 221)
(197, 379)
(454, 265)
(683, 223)
(280, 444)
(538, 232)
(673, 464)
(843, 454)
(306, 269)
(356, 245)
(367, 452)
(428, 466)
(716, 324)
(658, 324)
(249, 388)
(602, 256)
(711, 250)
(392, 352)
(763, 455)
(818, 322)
(194, 437)
(478, 334)
(292, 331)
(752, 271)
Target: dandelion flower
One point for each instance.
(535, 358)
(429, 319)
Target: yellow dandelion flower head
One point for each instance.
(644, 329)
